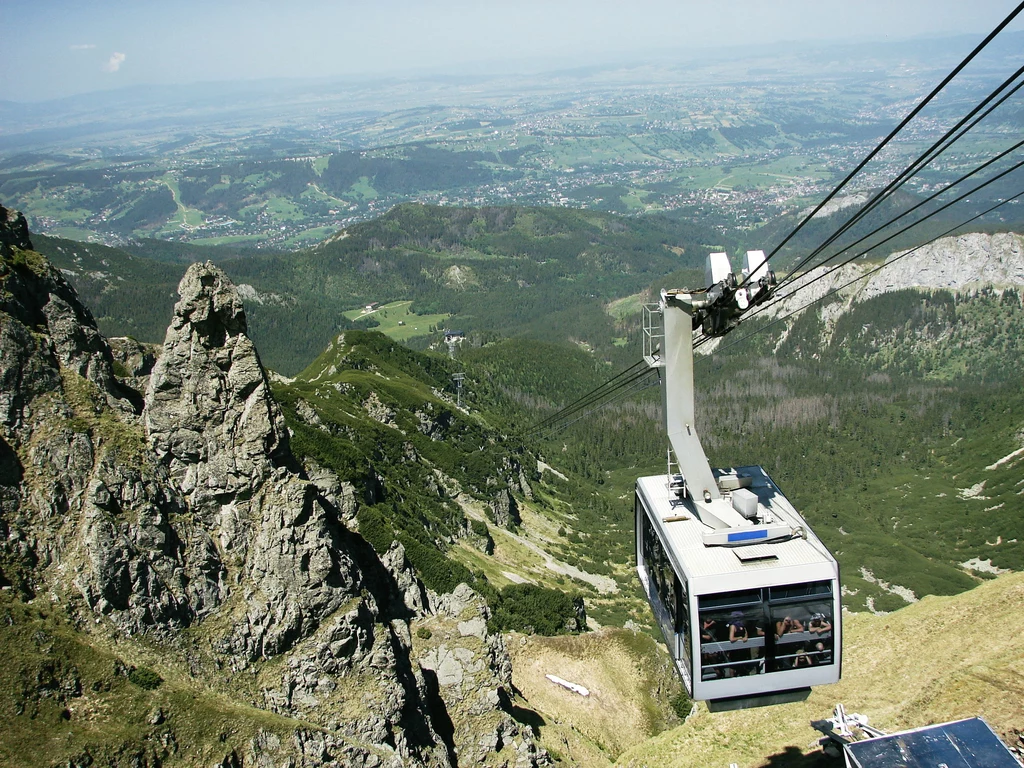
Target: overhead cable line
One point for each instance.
(923, 160)
(631, 375)
(578, 406)
(605, 390)
(703, 339)
(632, 379)
(645, 380)
(905, 175)
(938, 210)
(880, 267)
(636, 383)
(595, 394)
(903, 123)
(792, 277)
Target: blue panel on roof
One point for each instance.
(963, 744)
(748, 535)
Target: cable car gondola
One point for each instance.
(747, 597)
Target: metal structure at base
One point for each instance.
(969, 743)
(747, 597)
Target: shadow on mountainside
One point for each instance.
(792, 757)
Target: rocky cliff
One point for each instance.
(960, 264)
(178, 528)
(954, 263)
(13, 232)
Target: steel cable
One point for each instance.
(903, 123)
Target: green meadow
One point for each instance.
(398, 321)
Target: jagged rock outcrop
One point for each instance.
(505, 510)
(133, 361)
(472, 673)
(210, 419)
(193, 513)
(209, 415)
(13, 232)
(82, 510)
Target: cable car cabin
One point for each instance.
(746, 624)
(745, 593)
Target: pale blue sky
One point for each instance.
(54, 48)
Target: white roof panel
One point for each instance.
(682, 532)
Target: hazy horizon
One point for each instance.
(60, 48)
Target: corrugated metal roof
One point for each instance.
(682, 531)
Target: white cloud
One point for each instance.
(116, 60)
(83, 47)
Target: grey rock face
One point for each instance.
(27, 370)
(209, 415)
(210, 418)
(83, 511)
(135, 359)
(505, 510)
(409, 589)
(79, 347)
(954, 263)
(37, 298)
(473, 674)
(195, 514)
(13, 231)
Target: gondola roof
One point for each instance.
(682, 532)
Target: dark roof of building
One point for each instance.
(962, 744)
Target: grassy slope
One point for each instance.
(65, 694)
(942, 659)
(631, 682)
(431, 484)
(398, 321)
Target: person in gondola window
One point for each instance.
(788, 624)
(737, 627)
(819, 624)
(708, 630)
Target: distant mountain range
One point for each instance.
(546, 272)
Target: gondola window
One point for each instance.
(772, 629)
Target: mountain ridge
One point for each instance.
(199, 534)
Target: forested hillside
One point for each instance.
(878, 416)
(546, 273)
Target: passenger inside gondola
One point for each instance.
(707, 630)
(737, 627)
(788, 624)
(732, 644)
(819, 624)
